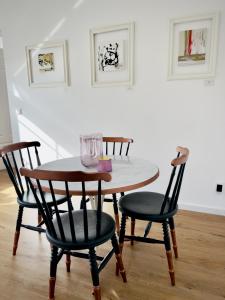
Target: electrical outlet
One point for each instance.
(209, 82)
(219, 188)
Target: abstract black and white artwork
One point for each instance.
(111, 56)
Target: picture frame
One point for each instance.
(193, 47)
(47, 64)
(112, 51)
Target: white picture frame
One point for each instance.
(112, 54)
(47, 64)
(193, 47)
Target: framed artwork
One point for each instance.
(193, 47)
(47, 64)
(112, 55)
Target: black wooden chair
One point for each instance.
(116, 146)
(14, 156)
(75, 229)
(155, 207)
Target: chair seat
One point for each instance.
(95, 238)
(145, 206)
(28, 199)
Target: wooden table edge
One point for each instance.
(107, 191)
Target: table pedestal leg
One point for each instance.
(94, 201)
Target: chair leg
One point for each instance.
(148, 228)
(94, 274)
(122, 232)
(53, 270)
(39, 219)
(119, 258)
(81, 204)
(132, 230)
(116, 213)
(68, 262)
(70, 203)
(121, 238)
(168, 252)
(17, 232)
(173, 235)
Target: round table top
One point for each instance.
(128, 173)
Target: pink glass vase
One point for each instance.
(90, 149)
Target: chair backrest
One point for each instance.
(114, 145)
(66, 177)
(18, 155)
(173, 189)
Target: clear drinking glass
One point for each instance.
(90, 149)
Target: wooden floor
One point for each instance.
(200, 269)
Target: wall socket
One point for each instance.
(209, 82)
(219, 188)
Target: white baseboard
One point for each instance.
(204, 209)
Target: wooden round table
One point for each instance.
(128, 173)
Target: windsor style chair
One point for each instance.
(14, 156)
(75, 229)
(116, 146)
(156, 207)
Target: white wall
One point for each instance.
(157, 113)
(5, 128)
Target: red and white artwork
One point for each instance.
(192, 46)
